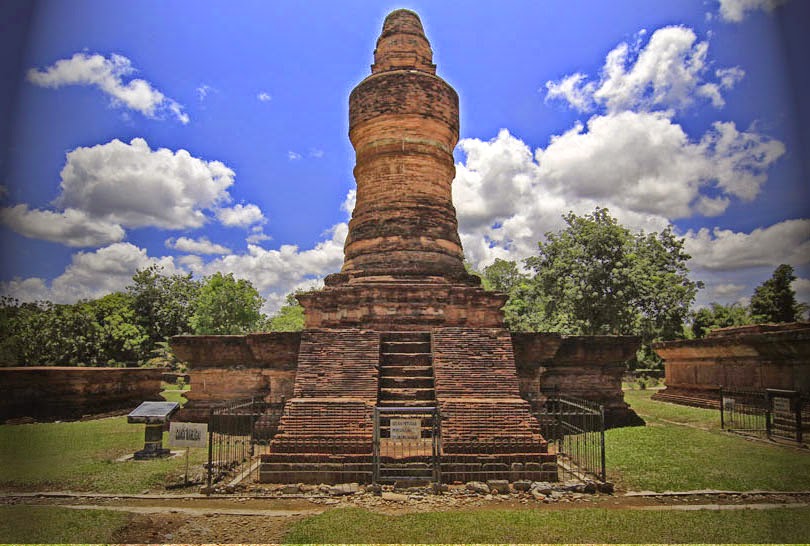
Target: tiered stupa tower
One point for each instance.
(403, 325)
(403, 267)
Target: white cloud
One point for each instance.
(573, 90)
(348, 204)
(136, 186)
(89, 275)
(293, 156)
(316, 153)
(257, 235)
(71, 227)
(723, 249)
(240, 215)
(201, 245)
(264, 96)
(665, 75)
(735, 10)
(802, 288)
(203, 91)
(107, 74)
(642, 166)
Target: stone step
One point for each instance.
(406, 359)
(406, 403)
(407, 394)
(405, 336)
(400, 381)
(405, 347)
(406, 371)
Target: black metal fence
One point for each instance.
(232, 434)
(772, 413)
(575, 430)
(406, 445)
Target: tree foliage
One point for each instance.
(775, 300)
(596, 277)
(290, 318)
(226, 305)
(717, 315)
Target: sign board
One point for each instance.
(781, 405)
(188, 434)
(728, 404)
(153, 412)
(406, 429)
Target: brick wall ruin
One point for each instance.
(754, 357)
(51, 393)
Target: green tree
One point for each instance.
(717, 315)
(162, 303)
(290, 318)
(775, 300)
(596, 277)
(226, 306)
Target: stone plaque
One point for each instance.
(188, 434)
(728, 403)
(781, 405)
(406, 429)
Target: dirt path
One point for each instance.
(196, 519)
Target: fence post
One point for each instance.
(602, 441)
(798, 403)
(210, 450)
(722, 411)
(768, 415)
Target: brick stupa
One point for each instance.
(403, 324)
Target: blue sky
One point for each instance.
(209, 136)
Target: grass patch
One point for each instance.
(654, 410)
(174, 395)
(353, 525)
(663, 456)
(48, 525)
(81, 456)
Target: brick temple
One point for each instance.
(403, 325)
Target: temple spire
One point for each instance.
(403, 45)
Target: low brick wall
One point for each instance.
(589, 367)
(764, 356)
(51, 393)
(224, 368)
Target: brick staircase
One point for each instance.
(406, 370)
(406, 381)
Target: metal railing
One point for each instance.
(406, 444)
(575, 430)
(231, 436)
(770, 413)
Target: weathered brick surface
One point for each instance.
(224, 368)
(748, 357)
(59, 393)
(478, 394)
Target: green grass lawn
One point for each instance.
(81, 456)
(48, 525)
(663, 456)
(352, 525)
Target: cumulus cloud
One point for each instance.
(201, 245)
(293, 156)
(264, 96)
(666, 75)
(109, 187)
(240, 215)
(70, 227)
(108, 75)
(135, 186)
(723, 249)
(89, 275)
(736, 10)
(642, 166)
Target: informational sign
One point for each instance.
(728, 403)
(188, 434)
(406, 429)
(781, 405)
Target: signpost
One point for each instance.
(154, 415)
(188, 435)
